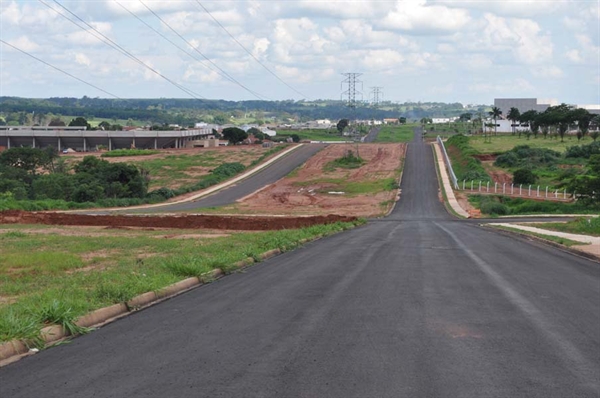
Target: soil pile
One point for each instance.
(260, 223)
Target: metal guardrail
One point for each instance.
(448, 163)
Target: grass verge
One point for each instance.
(52, 278)
(562, 241)
(582, 226)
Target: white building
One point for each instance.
(438, 120)
(524, 104)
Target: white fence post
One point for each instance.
(495, 187)
(529, 189)
(471, 185)
(546, 190)
(538, 191)
(565, 194)
(479, 185)
(488, 186)
(503, 187)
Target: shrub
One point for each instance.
(583, 151)
(524, 176)
(494, 208)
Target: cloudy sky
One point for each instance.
(469, 51)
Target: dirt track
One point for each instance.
(183, 222)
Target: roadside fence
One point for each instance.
(520, 190)
(448, 163)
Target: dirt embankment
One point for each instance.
(180, 222)
(314, 189)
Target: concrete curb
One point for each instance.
(14, 350)
(522, 236)
(445, 182)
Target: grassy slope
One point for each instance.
(504, 143)
(402, 133)
(83, 273)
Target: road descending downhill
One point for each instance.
(415, 305)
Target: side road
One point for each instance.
(204, 192)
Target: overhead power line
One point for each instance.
(225, 74)
(165, 37)
(60, 70)
(106, 40)
(249, 52)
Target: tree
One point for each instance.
(595, 123)
(583, 118)
(514, 115)
(219, 119)
(495, 113)
(342, 124)
(295, 137)
(257, 133)
(56, 121)
(531, 118)
(80, 122)
(402, 120)
(465, 117)
(524, 176)
(587, 186)
(560, 116)
(29, 159)
(234, 135)
(104, 125)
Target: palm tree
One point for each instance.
(495, 114)
(513, 115)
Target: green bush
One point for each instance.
(524, 176)
(494, 208)
(466, 167)
(583, 151)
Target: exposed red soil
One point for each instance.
(308, 190)
(484, 157)
(180, 222)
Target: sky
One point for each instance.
(416, 50)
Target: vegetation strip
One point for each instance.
(555, 239)
(68, 291)
(582, 225)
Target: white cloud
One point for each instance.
(574, 56)
(512, 8)
(547, 71)
(82, 59)
(24, 43)
(417, 17)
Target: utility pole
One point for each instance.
(351, 80)
(376, 95)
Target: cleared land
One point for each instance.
(320, 188)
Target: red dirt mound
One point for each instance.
(184, 221)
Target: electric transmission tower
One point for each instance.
(376, 95)
(351, 80)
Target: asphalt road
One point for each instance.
(268, 175)
(415, 305)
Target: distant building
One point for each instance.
(524, 104)
(438, 120)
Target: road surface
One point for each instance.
(415, 305)
(266, 176)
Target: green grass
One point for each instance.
(504, 205)
(401, 133)
(563, 241)
(352, 188)
(582, 226)
(503, 143)
(128, 152)
(52, 278)
(175, 170)
(348, 161)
